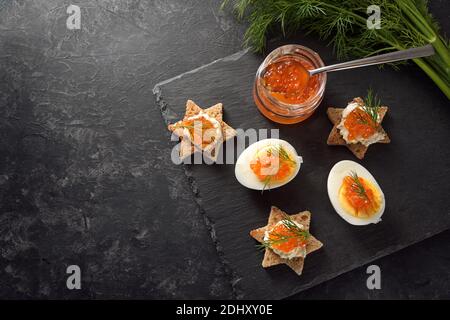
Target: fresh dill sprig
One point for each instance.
(372, 106)
(361, 119)
(357, 186)
(278, 239)
(404, 24)
(281, 153)
(292, 226)
(284, 155)
(266, 182)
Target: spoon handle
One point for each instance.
(425, 51)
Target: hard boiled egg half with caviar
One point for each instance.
(355, 194)
(267, 164)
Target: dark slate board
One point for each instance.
(413, 170)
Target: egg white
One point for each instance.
(335, 178)
(244, 173)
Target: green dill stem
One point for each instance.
(419, 22)
(439, 67)
(415, 16)
(357, 185)
(433, 75)
(434, 70)
(381, 50)
(266, 181)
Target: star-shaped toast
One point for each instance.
(187, 147)
(270, 257)
(335, 138)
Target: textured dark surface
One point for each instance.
(84, 171)
(420, 271)
(399, 167)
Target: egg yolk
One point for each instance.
(285, 239)
(359, 198)
(360, 124)
(200, 130)
(273, 165)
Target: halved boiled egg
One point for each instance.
(267, 164)
(355, 194)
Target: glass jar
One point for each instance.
(280, 111)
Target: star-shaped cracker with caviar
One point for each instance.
(335, 138)
(187, 146)
(270, 257)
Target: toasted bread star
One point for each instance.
(335, 138)
(187, 146)
(270, 257)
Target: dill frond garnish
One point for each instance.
(281, 152)
(361, 119)
(357, 186)
(293, 228)
(283, 155)
(372, 106)
(266, 181)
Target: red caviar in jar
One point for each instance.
(288, 80)
(292, 239)
(360, 124)
(283, 91)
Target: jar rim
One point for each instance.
(304, 52)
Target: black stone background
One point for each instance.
(85, 176)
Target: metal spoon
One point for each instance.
(425, 51)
